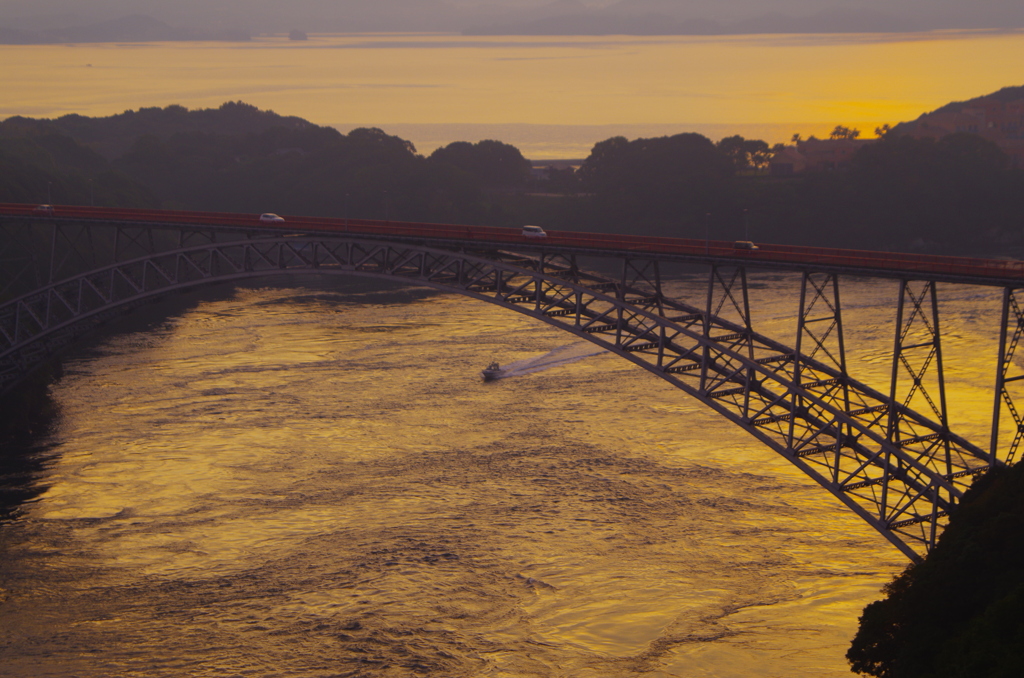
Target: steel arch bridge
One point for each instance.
(901, 470)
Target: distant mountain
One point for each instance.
(1004, 96)
(91, 20)
(835, 20)
(13, 36)
(134, 28)
(996, 117)
(202, 18)
(596, 23)
(662, 19)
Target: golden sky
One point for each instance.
(441, 79)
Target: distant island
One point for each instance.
(132, 28)
(574, 18)
(950, 181)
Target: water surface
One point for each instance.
(313, 480)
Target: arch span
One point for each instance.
(830, 426)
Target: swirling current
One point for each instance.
(310, 479)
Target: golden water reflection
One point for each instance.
(300, 481)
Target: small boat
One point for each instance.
(493, 371)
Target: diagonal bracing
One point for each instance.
(902, 478)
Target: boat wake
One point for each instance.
(563, 355)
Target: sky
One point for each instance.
(504, 78)
(528, 16)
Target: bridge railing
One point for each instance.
(998, 270)
(139, 252)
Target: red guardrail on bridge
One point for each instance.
(996, 269)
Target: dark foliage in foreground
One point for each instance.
(957, 195)
(960, 613)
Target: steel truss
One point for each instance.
(1009, 378)
(898, 470)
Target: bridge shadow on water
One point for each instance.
(30, 417)
(26, 423)
(23, 466)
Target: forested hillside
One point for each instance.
(959, 614)
(952, 195)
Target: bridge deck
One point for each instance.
(900, 470)
(1000, 272)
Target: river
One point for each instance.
(311, 479)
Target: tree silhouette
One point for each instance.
(745, 153)
(841, 132)
(959, 613)
(493, 163)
